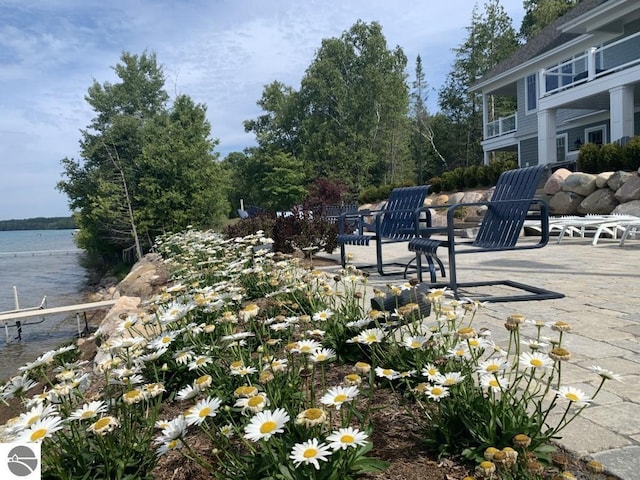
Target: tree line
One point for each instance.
(148, 164)
(38, 223)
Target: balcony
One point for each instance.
(501, 126)
(593, 64)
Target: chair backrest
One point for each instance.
(398, 218)
(502, 224)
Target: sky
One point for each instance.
(221, 53)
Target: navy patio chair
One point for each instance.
(511, 204)
(392, 224)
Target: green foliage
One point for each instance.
(496, 167)
(146, 168)
(378, 194)
(631, 153)
(540, 13)
(435, 184)
(610, 158)
(491, 38)
(474, 176)
(588, 158)
(39, 223)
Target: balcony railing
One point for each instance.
(502, 126)
(594, 63)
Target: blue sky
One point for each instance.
(220, 52)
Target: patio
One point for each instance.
(602, 299)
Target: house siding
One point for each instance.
(527, 122)
(627, 51)
(529, 152)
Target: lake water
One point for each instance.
(38, 263)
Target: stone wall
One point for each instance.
(578, 193)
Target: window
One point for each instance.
(561, 148)
(597, 135)
(531, 93)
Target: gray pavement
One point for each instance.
(601, 285)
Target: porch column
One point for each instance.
(621, 105)
(547, 152)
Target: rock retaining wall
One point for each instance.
(578, 193)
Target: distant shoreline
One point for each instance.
(39, 223)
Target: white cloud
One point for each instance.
(222, 53)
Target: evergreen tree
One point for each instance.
(145, 169)
(491, 38)
(540, 13)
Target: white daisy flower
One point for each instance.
(310, 452)
(574, 395)
(265, 424)
(207, 407)
(494, 382)
(41, 429)
(89, 410)
(430, 371)
(535, 360)
(387, 373)
(336, 396)
(437, 392)
(322, 355)
(344, 438)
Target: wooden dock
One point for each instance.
(18, 316)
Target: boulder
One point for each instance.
(455, 198)
(630, 190)
(628, 208)
(617, 179)
(554, 184)
(145, 278)
(583, 184)
(441, 199)
(565, 203)
(600, 202)
(472, 197)
(602, 179)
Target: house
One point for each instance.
(577, 81)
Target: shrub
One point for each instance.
(298, 231)
(610, 158)
(631, 154)
(588, 158)
(325, 192)
(435, 184)
(470, 176)
(483, 176)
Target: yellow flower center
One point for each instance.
(166, 339)
(38, 434)
(33, 420)
(536, 362)
(572, 396)
(310, 453)
(132, 394)
(450, 381)
(321, 356)
(340, 398)
(172, 444)
(204, 412)
(492, 368)
(415, 344)
(386, 371)
(493, 383)
(313, 413)
(87, 414)
(100, 424)
(437, 391)
(347, 438)
(268, 426)
(255, 401)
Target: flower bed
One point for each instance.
(251, 366)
